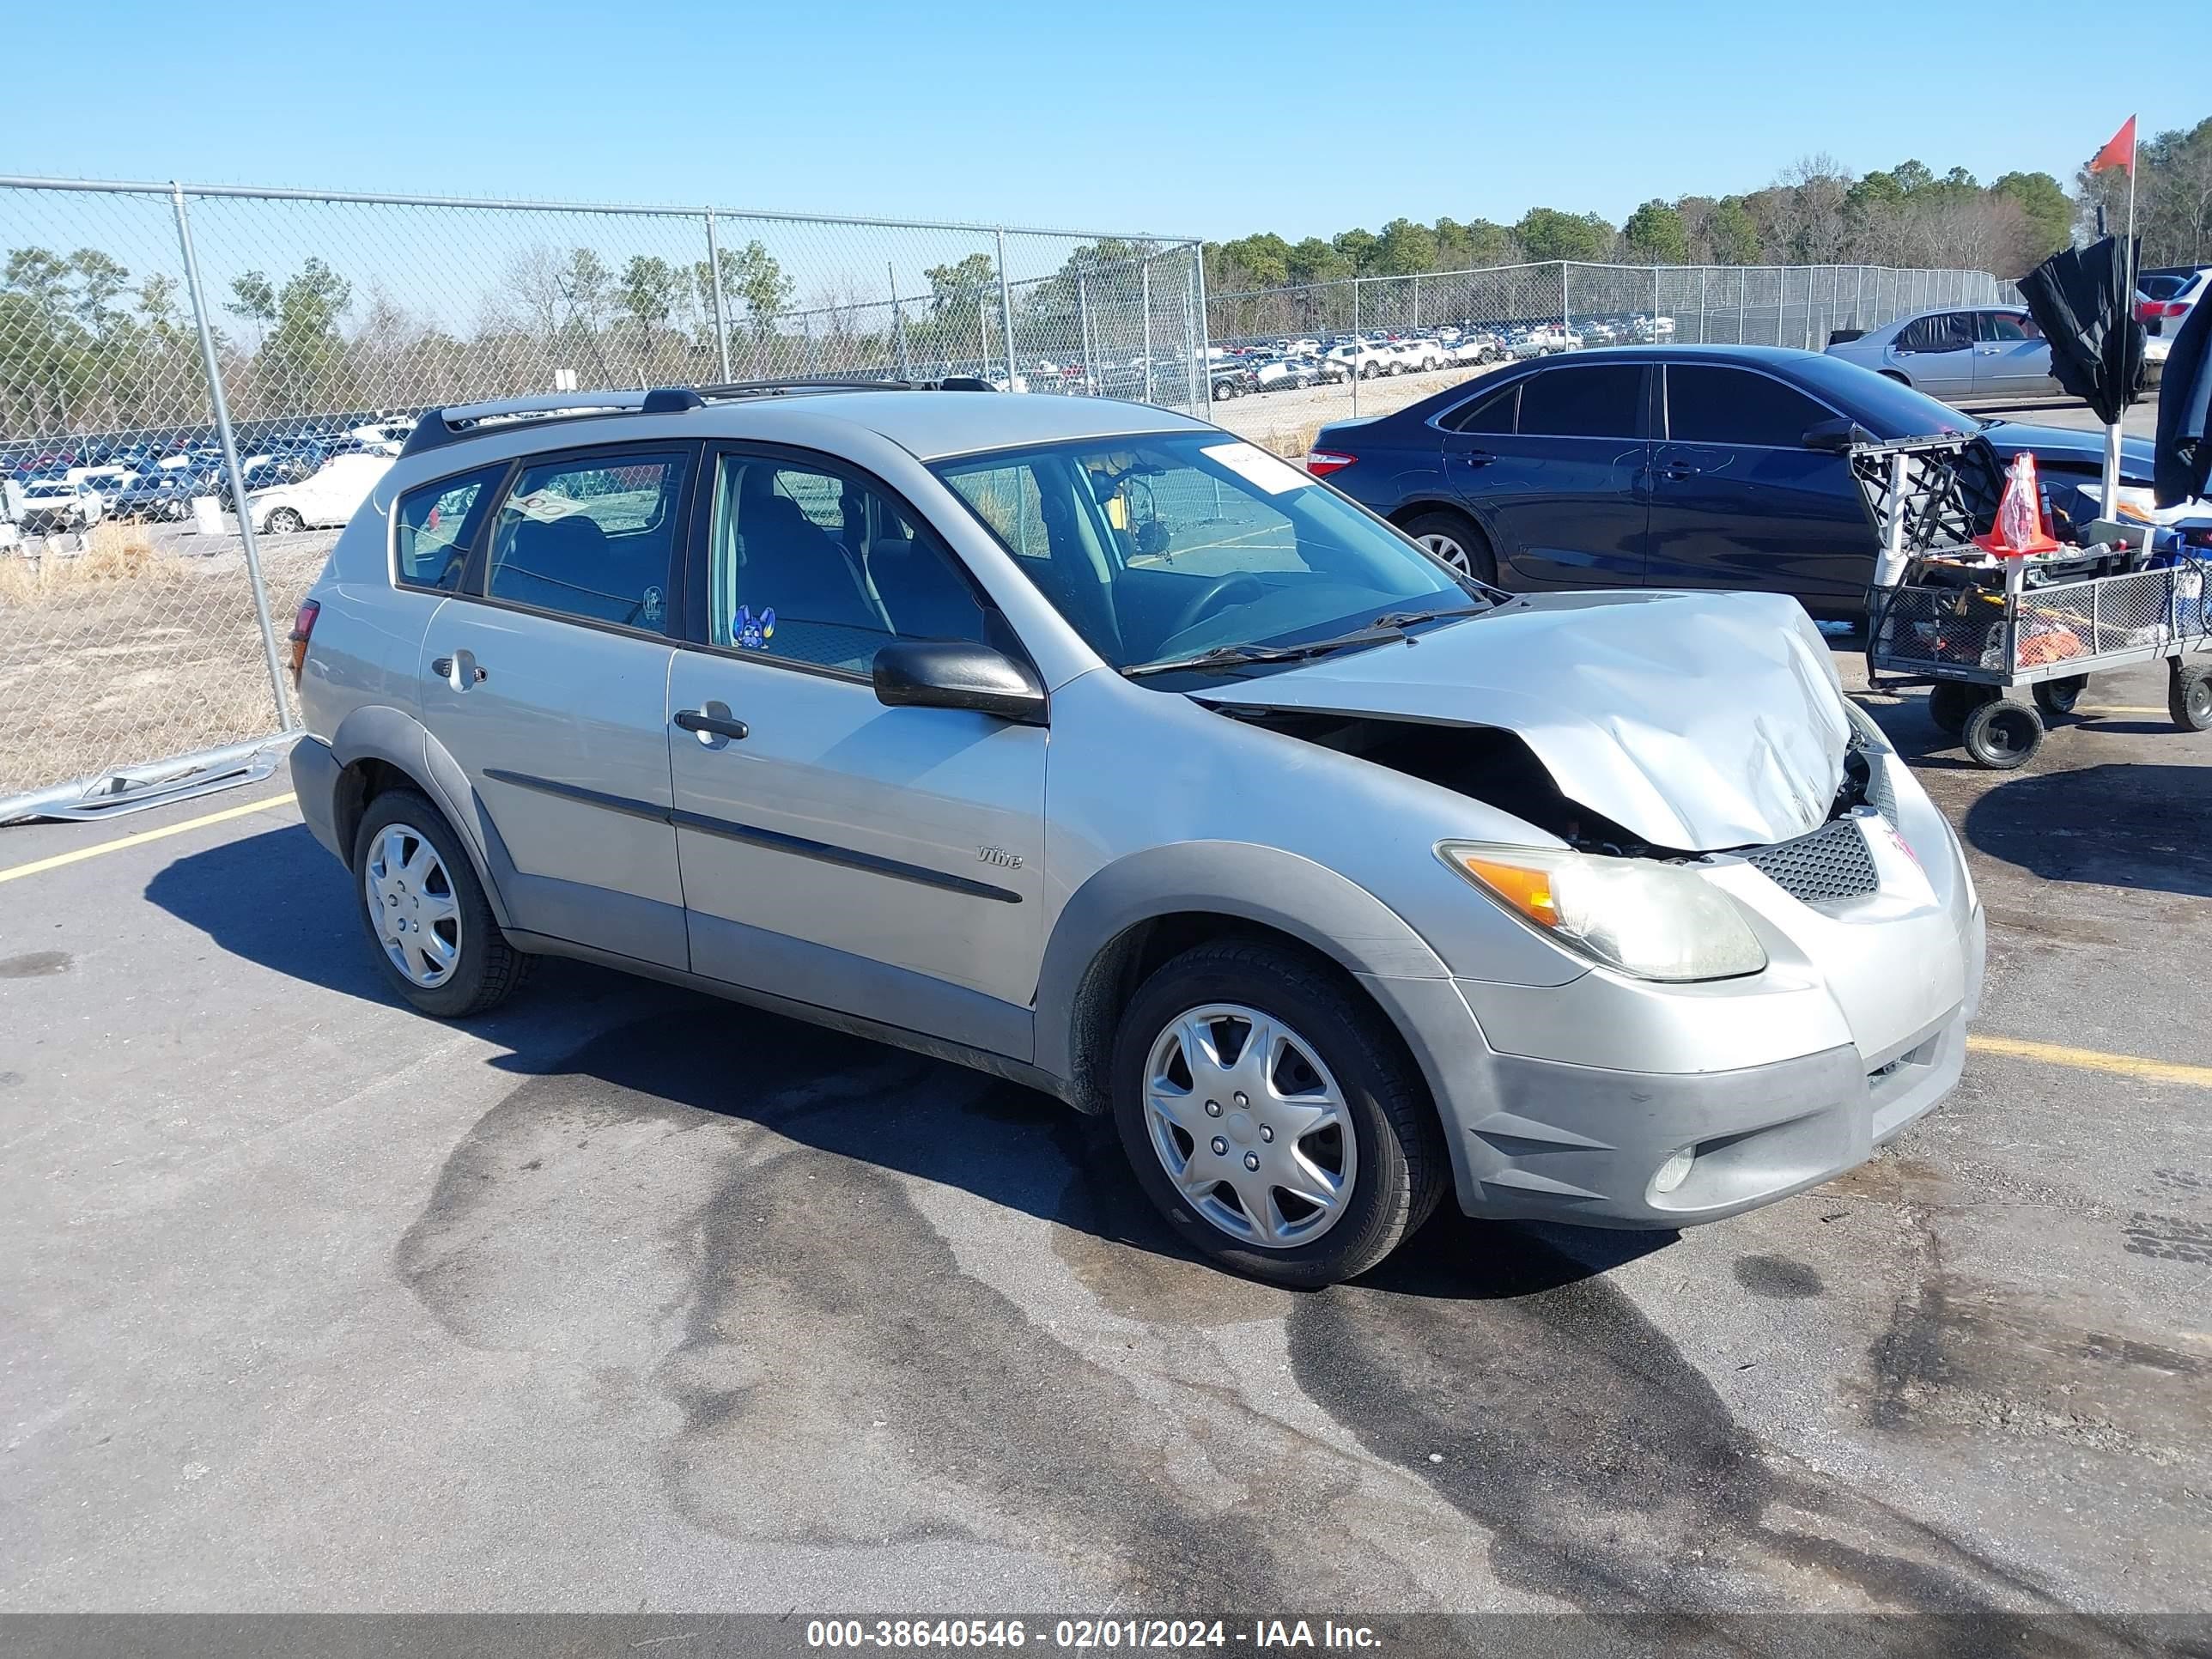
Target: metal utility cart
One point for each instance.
(1977, 631)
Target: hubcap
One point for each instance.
(1250, 1126)
(1447, 550)
(418, 921)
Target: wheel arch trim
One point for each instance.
(377, 732)
(1238, 881)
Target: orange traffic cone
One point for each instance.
(2019, 530)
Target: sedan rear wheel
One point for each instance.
(1456, 541)
(284, 522)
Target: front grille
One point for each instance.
(1831, 864)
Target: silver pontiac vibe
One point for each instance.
(1088, 744)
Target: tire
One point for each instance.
(284, 522)
(2057, 697)
(1221, 393)
(2002, 735)
(1382, 1142)
(2188, 694)
(408, 853)
(1950, 701)
(1446, 533)
(1892, 374)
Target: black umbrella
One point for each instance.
(2084, 303)
(2183, 466)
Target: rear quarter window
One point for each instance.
(434, 525)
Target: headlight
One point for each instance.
(1656, 921)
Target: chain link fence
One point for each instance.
(169, 352)
(1474, 318)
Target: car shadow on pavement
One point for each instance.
(2144, 827)
(647, 1047)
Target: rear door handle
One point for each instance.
(709, 726)
(1476, 456)
(459, 678)
(1677, 470)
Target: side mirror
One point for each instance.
(1836, 436)
(952, 674)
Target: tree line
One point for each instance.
(1816, 212)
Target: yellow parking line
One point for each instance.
(2128, 710)
(37, 865)
(2092, 1059)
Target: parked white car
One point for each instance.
(1420, 356)
(383, 437)
(1365, 358)
(331, 496)
(50, 506)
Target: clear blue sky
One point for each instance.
(1182, 118)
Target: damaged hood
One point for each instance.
(1696, 721)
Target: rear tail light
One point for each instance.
(303, 629)
(2149, 308)
(1322, 461)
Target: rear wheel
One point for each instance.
(2002, 735)
(1272, 1118)
(425, 912)
(2189, 696)
(284, 522)
(1950, 701)
(1457, 540)
(2058, 696)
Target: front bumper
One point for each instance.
(1799, 1100)
(1581, 1143)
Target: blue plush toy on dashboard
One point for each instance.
(753, 632)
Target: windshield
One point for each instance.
(1162, 546)
(1890, 408)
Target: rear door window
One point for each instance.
(1713, 405)
(590, 537)
(1584, 402)
(1947, 331)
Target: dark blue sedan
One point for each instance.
(1662, 466)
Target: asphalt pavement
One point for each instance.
(625, 1299)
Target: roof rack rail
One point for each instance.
(439, 427)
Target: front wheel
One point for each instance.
(2002, 735)
(284, 522)
(2189, 696)
(1272, 1118)
(425, 912)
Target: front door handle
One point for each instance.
(1677, 472)
(711, 722)
(459, 670)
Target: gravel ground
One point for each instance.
(622, 1299)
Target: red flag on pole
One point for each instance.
(2120, 153)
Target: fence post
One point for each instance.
(1417, 302)
(714, 286)
(224, 434)
(1006, 314)
(1742, 289)
(1082, 331)
(1205, 328)
(1704, 271)
(1145, 287)
(1357, 346)
(1566, 313)
(1654, 305)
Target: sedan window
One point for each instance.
(1712, 405)
(1593, 401)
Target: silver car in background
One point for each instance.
(1087, 744)
(1964, 353)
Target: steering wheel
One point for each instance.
(1217, 592)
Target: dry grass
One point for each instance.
(127, 654)
(112, 553)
